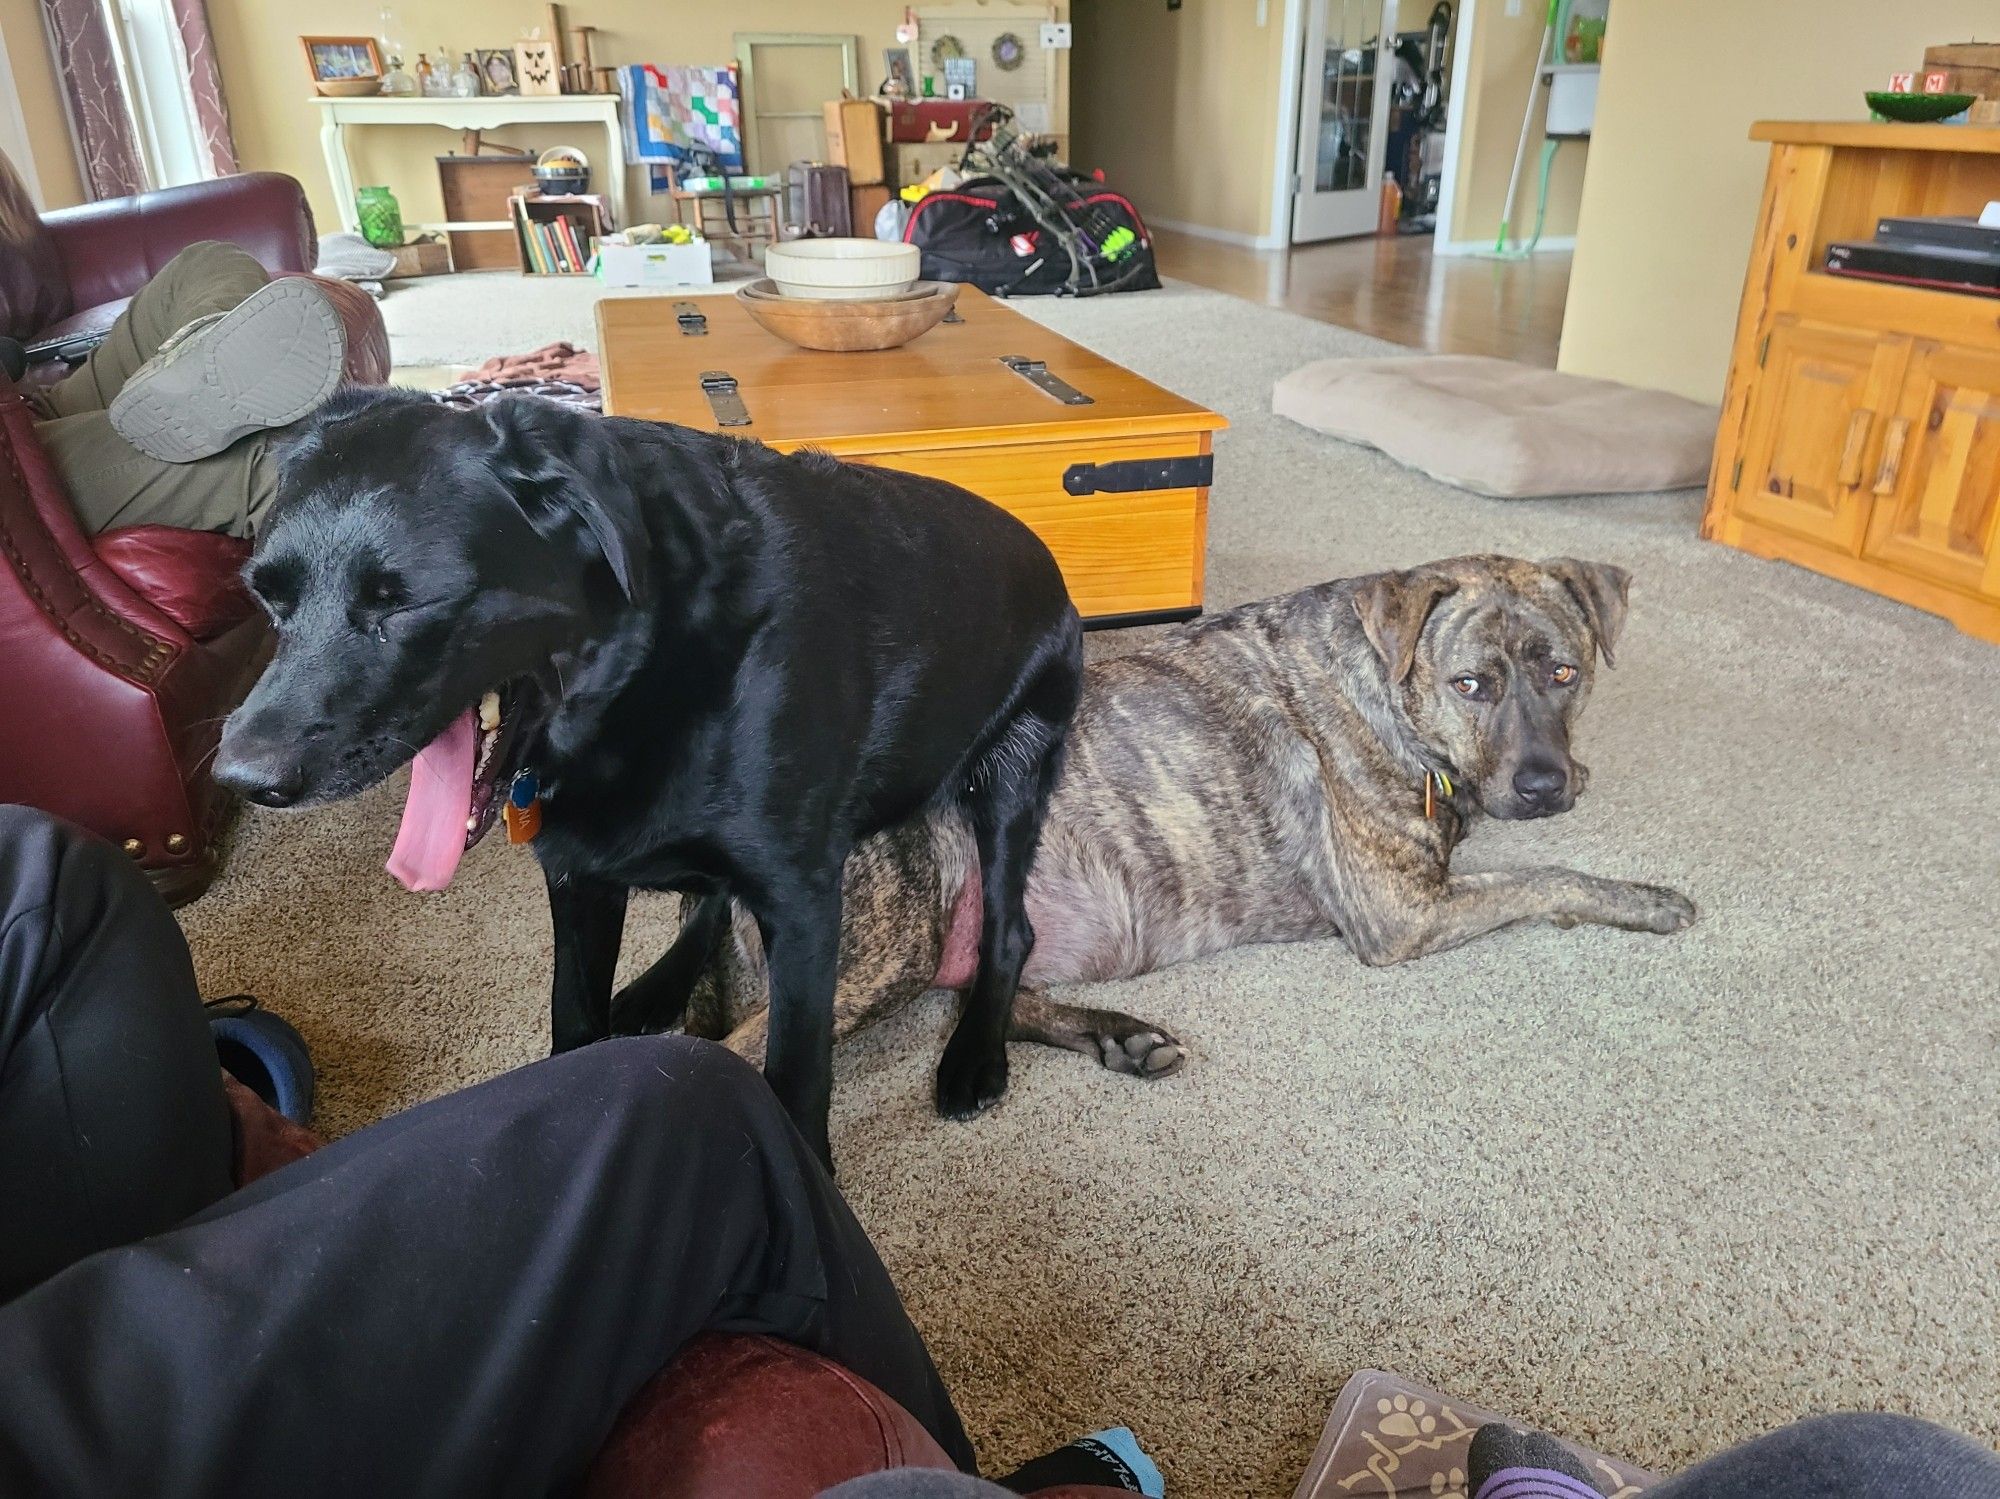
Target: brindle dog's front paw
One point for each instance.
(1140, 1051)
(1655, 908)
(970, 1082)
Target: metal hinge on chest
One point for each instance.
(1131, 474)
(1036, 373)
(723, 399)
(693, 321)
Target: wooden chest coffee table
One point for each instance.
(1116, 484)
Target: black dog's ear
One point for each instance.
(1601, 591)
(564, 468)
(1393, 608)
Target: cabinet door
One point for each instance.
(1937, 483)
(1812, 432)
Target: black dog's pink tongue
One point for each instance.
(431, 840)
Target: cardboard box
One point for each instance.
(656, 265)
(854, 133)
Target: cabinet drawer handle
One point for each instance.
(1858, 426)
(1892, 455)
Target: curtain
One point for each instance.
(211, 111)
(87, 61)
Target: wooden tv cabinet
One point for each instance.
(1860, 434)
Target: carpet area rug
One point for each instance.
(1656, 1195)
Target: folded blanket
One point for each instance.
(675, 114)
(558, 371)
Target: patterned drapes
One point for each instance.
(87, 59)
(106, 138)
(205, 80)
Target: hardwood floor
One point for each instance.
(1393, 288)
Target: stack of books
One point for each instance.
(557, 246)
(1960, 254)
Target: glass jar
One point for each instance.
(381, 217)
(464, 79)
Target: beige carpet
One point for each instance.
(1656, 1194)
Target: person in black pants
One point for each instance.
(458, 1300)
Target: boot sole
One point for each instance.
(273, 359)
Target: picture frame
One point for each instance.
(897, 65)
(337, 59)
(495, 67)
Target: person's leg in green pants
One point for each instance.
(113, 483)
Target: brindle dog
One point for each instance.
(1297, 768)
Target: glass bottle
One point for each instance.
(423, 74)
(464, 79)
(381, 216)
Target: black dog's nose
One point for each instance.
(1540, 785)
(269, 781)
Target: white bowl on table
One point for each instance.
(842, 270)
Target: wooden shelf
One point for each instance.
(1874, 135)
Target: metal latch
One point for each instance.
(953, 317)
(1197, 472)
(720, 388)
(1036, 373)
(693, 321)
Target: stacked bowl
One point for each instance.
(846, 295)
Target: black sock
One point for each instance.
(1526, 1465)
(1094, 1460)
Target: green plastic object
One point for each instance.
(381, 217)
(1918, 109)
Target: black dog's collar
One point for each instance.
(1436, 784)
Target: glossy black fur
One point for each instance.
(732, 665)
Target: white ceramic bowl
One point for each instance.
(842, 270)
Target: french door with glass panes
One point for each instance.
(1343, 117)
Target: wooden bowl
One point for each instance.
(849, 327)
(350, 88)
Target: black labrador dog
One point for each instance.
(696, 663)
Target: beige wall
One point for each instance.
(278, 129)
(1672, 198)
(34, 81)
(1501, 54)
(1177, 107)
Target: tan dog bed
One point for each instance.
(1503, 429)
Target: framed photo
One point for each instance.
(897, 61)
(335, 58)
(495, 66)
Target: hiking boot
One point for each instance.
(269, 360)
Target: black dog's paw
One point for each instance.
(969, 1083)
(1140, 1051)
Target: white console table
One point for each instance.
(338, 115)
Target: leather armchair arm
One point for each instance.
(111, 249)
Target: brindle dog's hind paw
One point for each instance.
(1140, 1051)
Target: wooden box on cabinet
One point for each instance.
(1860, 434)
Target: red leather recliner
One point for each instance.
(121, 654)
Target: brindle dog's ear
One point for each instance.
(1600, 590)
(1393, 608)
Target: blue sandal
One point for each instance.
(264, 1053)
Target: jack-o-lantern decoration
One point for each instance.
(535, 67)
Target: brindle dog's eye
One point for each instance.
(1465, 686)
(1563, 675)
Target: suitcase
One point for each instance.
(816, 205)
(854, 140)
(918, 121)
(865, 203)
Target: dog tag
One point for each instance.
(523, 811)
(1036, 373)
(720, 388)
(693, 321)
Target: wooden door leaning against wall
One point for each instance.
(787, 78)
